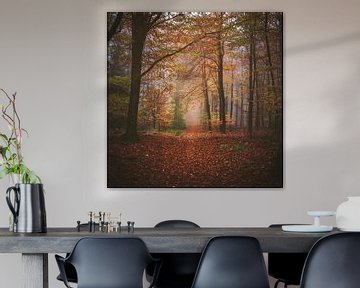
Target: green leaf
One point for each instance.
(4, 173)
(26, 132)
(27, 175)
(4, 137)
(3, 151)
(32, 177)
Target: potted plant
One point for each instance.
(26, 198)
(11, 158)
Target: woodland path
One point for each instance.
(193, 160)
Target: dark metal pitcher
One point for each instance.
(28, 207)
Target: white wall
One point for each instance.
(53, 53)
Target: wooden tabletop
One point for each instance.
(158, 240)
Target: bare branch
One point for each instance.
(166, 20)
(152, 20)
(169, 55)
(179, 50)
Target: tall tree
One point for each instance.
(241, 124)
(251, 73)
(140, 25)
(232, 93)
(220, 73)
(204, 78)
(269, 59)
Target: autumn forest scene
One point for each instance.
(195, 99)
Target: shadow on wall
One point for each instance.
(321, 176)
(328, 172)
(346, 39)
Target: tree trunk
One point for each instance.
(220, 80)
(139, 32)
(278, 114)
(251, 79)
(257, 102)
(280, 75)
(206, 96)
(177, 111)
(154, 120)
(231, 95)
(241, 108)
(261, 83)
(236, 113)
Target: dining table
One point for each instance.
(35, 247)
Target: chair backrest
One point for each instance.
(110, 262)
(176, 224)
(232, 262)
(333, 262)
(178, 269)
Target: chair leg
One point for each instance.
(279, 281)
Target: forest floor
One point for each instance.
(195, 159)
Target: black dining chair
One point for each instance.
(108, 263)
(178, 269)
(69, 269)
(285, 267)
(333, 262)
(232, 262)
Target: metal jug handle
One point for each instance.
(13, 208)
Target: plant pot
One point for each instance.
(14, 179)
(27, 207)
(348, 214)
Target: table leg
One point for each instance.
(35, 270)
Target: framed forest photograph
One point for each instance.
(195, 99)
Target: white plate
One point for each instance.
(350, 229)
(321, 213)
(306, 228)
